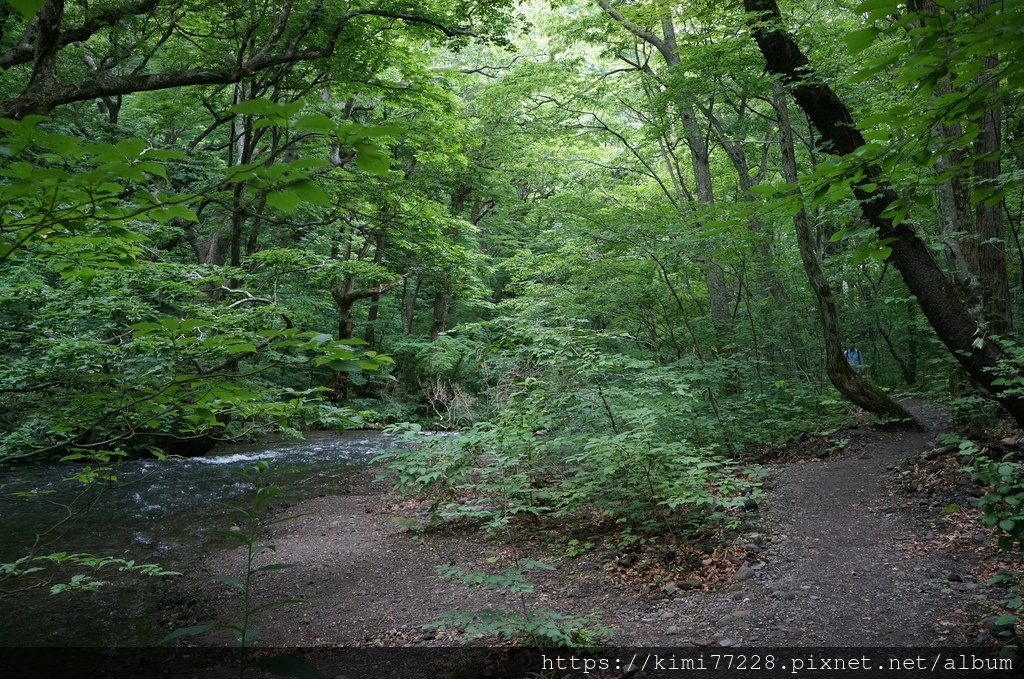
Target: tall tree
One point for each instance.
(855, 387)
(941, 302)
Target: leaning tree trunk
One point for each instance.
(856, 388)
(941, 303)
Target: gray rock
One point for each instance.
(626, 560)
(690, 583)
(744, 573)
(732, 617)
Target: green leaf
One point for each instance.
(276, 567)
(371, 159)
(860, 40)
(378, 131)
(168, 212)
(228, 580)
(27, 8)
(881, 254)
(311, 193)
(257, 107)
(187, 632)
(867, 6)
(316, 122)
(285, 200)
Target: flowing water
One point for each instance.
(154, 512)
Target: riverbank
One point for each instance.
(839, 554)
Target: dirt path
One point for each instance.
(842, 565)
(837, 560)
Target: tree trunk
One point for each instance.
(941, 303)
(995, 284)
(976, 235)
(762, 245)
(370, 333)
(440, 320)
(240, 153)
(718, 293)
(345, 295)
(409, 296)
(855, 388)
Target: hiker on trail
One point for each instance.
(854, 358)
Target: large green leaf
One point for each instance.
(27, 8)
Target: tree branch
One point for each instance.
(43, 100)
(22, 52)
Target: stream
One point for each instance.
(158, 512)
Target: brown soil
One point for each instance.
(838, 554)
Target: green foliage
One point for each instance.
(115, 351)
(600, 433)
(528, 624)
(40, 566)
(1002, 506)
(1002, 511)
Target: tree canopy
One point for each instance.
(640, 227)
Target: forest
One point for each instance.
(662, 292)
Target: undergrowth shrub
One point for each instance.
(582, 430)
(1002, 511)
(527, 622)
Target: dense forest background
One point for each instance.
(630, 239)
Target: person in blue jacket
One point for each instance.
(854, 358)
